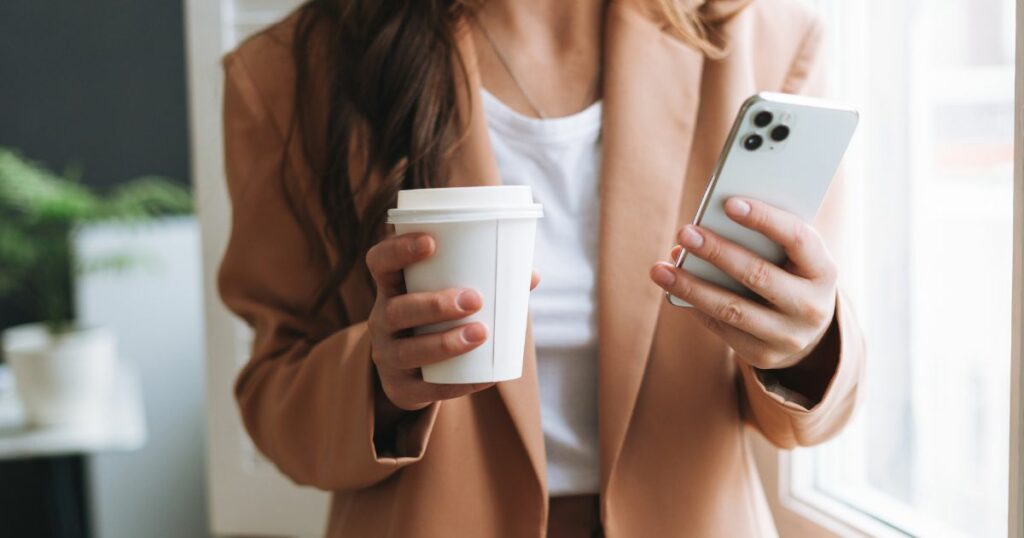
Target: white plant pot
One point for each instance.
(61, 378)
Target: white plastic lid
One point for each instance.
(462, 204)
(466, 214)
(459, 197)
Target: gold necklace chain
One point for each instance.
(508, 69)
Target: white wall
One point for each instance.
(156, 310)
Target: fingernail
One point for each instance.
(468, 300)
(421, 245)
(737, 207)
(691, 237)
(474, 333)
(663, 275)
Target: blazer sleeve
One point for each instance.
(788, 418)
(307, 394)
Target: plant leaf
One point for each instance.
(115, 262)
(38, 211)
(37, 194)
(146, 197)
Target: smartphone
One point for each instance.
(783, 150)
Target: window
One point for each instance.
(930, 267)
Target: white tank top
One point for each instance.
(560, 159)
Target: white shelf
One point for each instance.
(120, 427)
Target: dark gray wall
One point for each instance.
(98, 84)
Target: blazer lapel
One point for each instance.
(651, 97)
(473, 164)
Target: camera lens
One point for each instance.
(763, 118)
(753, 142)
(780, 133)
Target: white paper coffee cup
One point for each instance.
(484, 239)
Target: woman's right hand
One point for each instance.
(397, 354)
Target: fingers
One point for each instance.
(534, 280)
(398, 363)
(757, 320)
(414, 309)
(408, 391)
(801, 242)
(429, 392)
(387, 259)
(759, 275)
(675, 252)
(755, 352)
(418, 351)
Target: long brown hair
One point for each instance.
(392, 69)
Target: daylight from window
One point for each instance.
(933, 173)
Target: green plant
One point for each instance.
(39, 212)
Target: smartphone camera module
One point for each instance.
(752, 142)
(780, 133)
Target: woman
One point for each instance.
(629, 418)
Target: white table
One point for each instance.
(120, 427)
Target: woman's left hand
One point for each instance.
(800, 298)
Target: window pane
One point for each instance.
(928, 451)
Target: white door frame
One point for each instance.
(247, 495)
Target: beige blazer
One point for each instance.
(674, 400)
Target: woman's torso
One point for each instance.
(672, 455)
